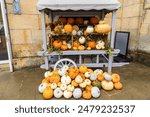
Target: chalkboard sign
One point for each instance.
(121, 42)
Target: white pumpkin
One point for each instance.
(87, 81)
(74, 32)
(78, 79)
(107, 85)
(70, 88)
(47, 74)
(63, 87)
(42, 87)
(82, 40)
(61, 72)
(107, 76)
(53, 85)
(77, 93)
(65, 67)
(65, 79)
(67, 94)
(79, 33)
(99, 47)
(82, 85)
(93, 76)
(89, 29)
(98, 71)
(101, 42)
(58, 93)
(87, 74)
(95, 91)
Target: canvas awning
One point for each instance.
(78, 4)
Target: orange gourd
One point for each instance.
(45, 80)
(118, 85)
(81, 47)
(90, 70)
(71, 21)
(76, 44)
(88, 87)
(48, 93)
(64, 47)
(57, 44)
(63, 20)
(79, 20)
(72, 75)
(83, 69)
(55, 78)
(68, 28)
(55, 72)
(94, 20)
(92, 44)
(74, 83)
(87, 95)
(115, 78)
(100, 77)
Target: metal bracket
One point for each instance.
(16, 7)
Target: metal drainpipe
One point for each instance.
(7, 34)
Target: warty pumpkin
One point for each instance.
(57, 44)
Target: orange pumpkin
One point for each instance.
(72, 75)
(63, 20)
(92, 44)
(64, 47)
(68, 28)
(115, 78)
(54, 78)
(76, 44)
(74, 83)
(48, 93)
(90, 70)
(102, 27)
(100, 77)
(88, 87)
(57, 44)
(45, 80)
(81, 47)
(55, 72)
(71, 20)
(94, 20)
(118, 85)
(87, 95)
(58, 84)
(58, 28)
(79, 20)
(83, 69)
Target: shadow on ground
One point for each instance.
(23, 84)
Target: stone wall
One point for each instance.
(26, 33)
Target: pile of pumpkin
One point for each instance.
(71, 26)
(79, 82)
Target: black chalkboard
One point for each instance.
(121, 42)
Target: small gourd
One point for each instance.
(66, 67)
(61, 72)
(87, 74)
(67, 94)
(42, 87)
(58, 93)
(87, 81)
(98, 71)
(78, 79)
(93, 76)
(95, 91)
(82, 40)
(63, 87)
(47, 74)
(53, 85)
(89, 29)
(77, 93)
(70, 88)
(65, 79)
(48, 93)
(82, 85)
(107, 85)
(107, 76)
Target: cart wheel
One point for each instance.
(65, 61)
